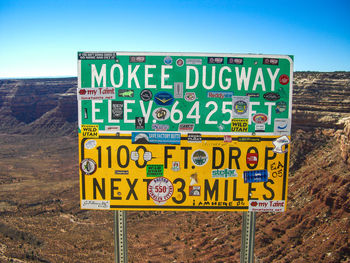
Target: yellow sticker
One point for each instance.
(239, 125)
(89, 131)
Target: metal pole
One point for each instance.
(248, 236)
(120, 237)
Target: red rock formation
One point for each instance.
(343, 137)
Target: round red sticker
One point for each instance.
(284, 79)
(160, 190)
(260, 118)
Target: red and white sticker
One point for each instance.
(96, 93)
(260, 118)
(284, 79)
(160, 189)
(252, 158)
(266, 205)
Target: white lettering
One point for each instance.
(132, 75)
(165, 77)
(149, 75)
(204, 77)
(98, 77)
(269, 105)
(126, 110)
(110, 113)
(228, 81)
(273, 78)
(188, 74)
(121, 76)
(144, 113)
(259, 80)
(95, 110)
(243, 77)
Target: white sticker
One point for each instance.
(282, 126)
(112, 128)
(279, 142)
(266, 206)
(147, 156)
(178, 90)
(193, 61)
(96, 93)
(161, 114)
(95, 204)
(160, 190)
(240, 107)
(134, 156)
(90, 144)
(259, 127)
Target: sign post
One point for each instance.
(120, 237)
(184, 131)
(248, 238)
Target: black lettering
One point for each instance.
(186, 149)
(236, 157)
(267, 157)
(127, 156)
(131, 189)
(280, 165)
(235, 198)
(113, 188)
(109, 149)
(215, 150)
(269, 189)
(226, 187)
(181, 190)
(166, 155)
(147, 181)
(101, 190)
(214, 190)
(137, 162)
(99, 156)
(250, 190)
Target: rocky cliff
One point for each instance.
(30, 106)
(320, 100)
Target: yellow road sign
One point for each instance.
(193, 172)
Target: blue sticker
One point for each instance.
(163, 98)
(220, 94)
(168, 60)
(255, 176)
(155, 138)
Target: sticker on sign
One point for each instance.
(266, 206)
(95, 204)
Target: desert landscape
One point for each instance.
(41, 220)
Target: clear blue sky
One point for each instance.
(41, 38)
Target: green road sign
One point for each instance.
(236, 94)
